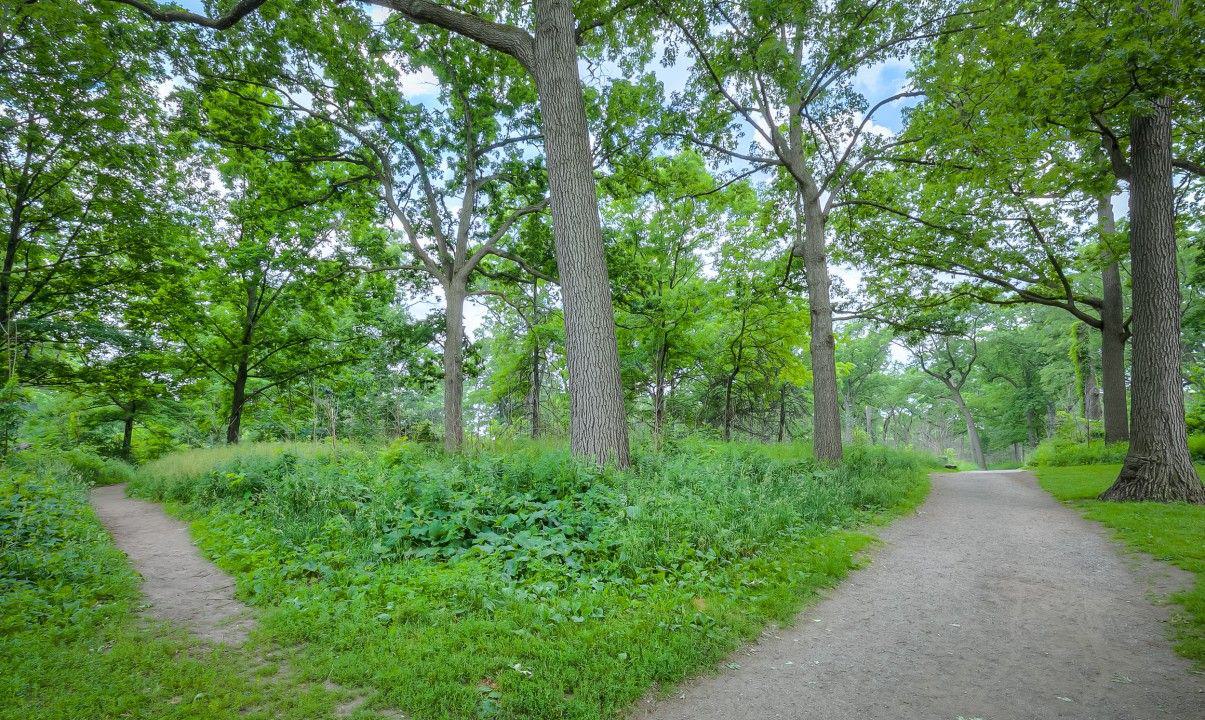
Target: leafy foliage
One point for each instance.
(594, 579)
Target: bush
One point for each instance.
(1057, 452)
(571, 589)
(85, 465)
(533, 511)
(57, 565)
(1196, 447)
(1060, 451)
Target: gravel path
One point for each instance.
(180, 585)
(992, 602)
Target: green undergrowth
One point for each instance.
(527, 584)
(1063, 452)
(1172, 532)
(508, 584)
(71, 644)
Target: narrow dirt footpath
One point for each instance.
(180, 584)
(992, 602)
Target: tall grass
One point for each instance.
(1063, 452)
(524, 583)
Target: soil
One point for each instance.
(179, 584)
(993, 601)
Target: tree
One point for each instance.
(950, 359)
(1108, 75)
(548, 51)
(270, 302)
(81, 151)
(661, 233)
(781, 76)
(451, 174)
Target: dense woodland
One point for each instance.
(607, 224)
(479, 359)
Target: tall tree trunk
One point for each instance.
(1112, 339)
(1087, 370)
(659, 394)
(826, 414)
(728, 405)
(1157, 466)
(238, 398)
(782, 412)
(597, 420)
(972, 431)
(453, 360)
(536, 358)
(127, 433)
(869, 412)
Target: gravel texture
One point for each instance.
(993, 601)
(179, 584)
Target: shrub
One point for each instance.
(1060, 451)
(85, 465)
(57, 565)
(1196, 447)
(533, 511)
(1057, 452)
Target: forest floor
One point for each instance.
(992, 601)
(179, 584)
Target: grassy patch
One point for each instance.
(516, 584)
(71, 645)
(525, 584)
(1172, 532)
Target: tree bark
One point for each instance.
(826, 415)
(1113, 339)
(728, 405)
(238, 398)
(659, 394)
(782, 412)
(869, 412)
(1087, 369)
(453, 362)
(597, 419)
(1158, 466)
(972, 431)
(127, 433)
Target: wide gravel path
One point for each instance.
(179, 584)
(993, 601)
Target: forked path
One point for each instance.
(994, 602)
(179, 584)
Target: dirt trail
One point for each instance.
(992, 602)
(180, 585)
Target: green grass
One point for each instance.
(511, 585)
(71, 646)
(1172, 532)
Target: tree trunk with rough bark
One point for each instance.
(782, 412)
(127, 434)
(972, 431)
(597, 419)
(1158, 466)
(453, 362)
(238, 398)
(728, 405)
(826, 414)
(659, 394)
(869, 412)
(1113, 339)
